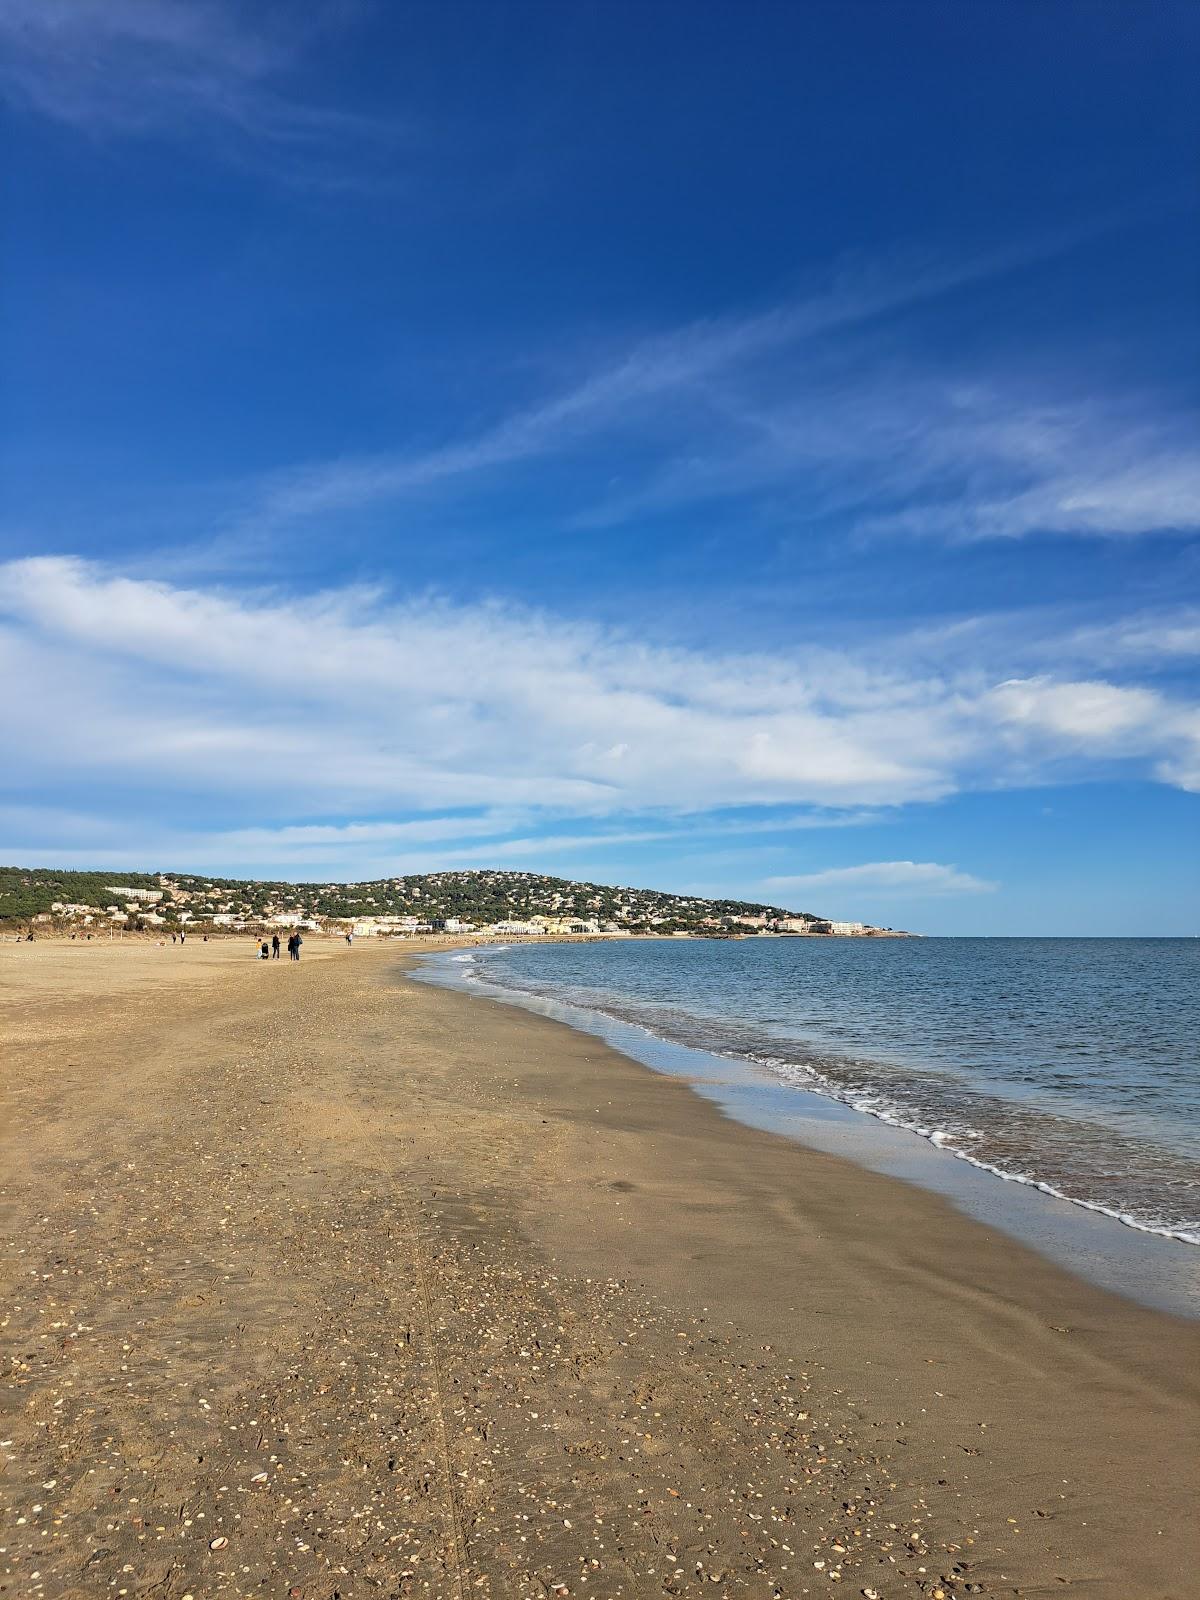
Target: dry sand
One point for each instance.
(325, 1284)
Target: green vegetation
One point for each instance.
(26, 891)
(480, 897)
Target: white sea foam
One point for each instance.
(965, 1142)
(950, 1141)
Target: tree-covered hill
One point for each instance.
(481, 897)
(26, 891)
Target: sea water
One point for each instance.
(1068, 1066)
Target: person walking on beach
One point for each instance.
(296, 942)
(274, 947)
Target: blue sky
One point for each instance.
(738, 449)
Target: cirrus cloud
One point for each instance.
(202, 70)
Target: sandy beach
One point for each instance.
(322, 1283)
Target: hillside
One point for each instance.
(482, 899)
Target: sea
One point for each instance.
(1068, 1069)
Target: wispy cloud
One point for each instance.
(910, 878)
(891, 451)
(179, 68)
(1165, 636)
(492, 837)
(738, 404)
(989, 466)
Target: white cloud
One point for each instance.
(910, 878)
(476, 729)
(1102, 720)
(341, 699)
(1095, 715)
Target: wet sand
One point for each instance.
(323, 1283)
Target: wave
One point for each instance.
(949, 1140)
(1063, 1158)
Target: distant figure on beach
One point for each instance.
(183, 936)
(172, 938)
(274, 947)
(349, 938)
(266, 951)
(294, 944)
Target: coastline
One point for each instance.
(1108, 1248)
(431, 1260)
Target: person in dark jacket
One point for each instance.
(274, 947)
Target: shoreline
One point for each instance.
(910, 1304)
(1151, 1265)
(325, 1278)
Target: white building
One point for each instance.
(66, 908)
(370, 927)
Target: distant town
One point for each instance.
(484, 903)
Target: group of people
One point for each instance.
(270, 952)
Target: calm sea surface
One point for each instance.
(1069, 1064)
